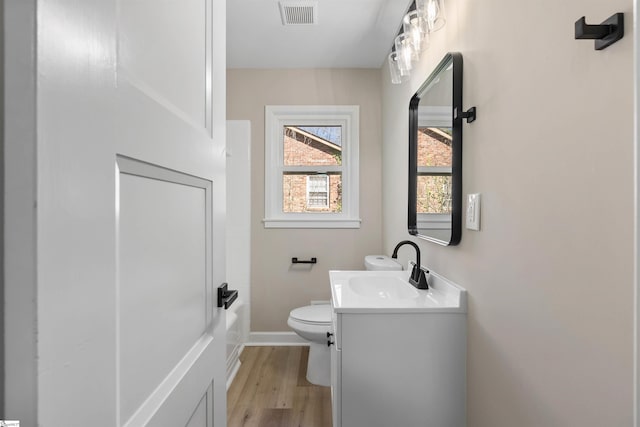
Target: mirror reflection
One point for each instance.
(435, 156)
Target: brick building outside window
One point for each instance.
(434, 170)
(318, 192)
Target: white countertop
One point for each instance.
(391, 292)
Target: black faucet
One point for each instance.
(418, 277)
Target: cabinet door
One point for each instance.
(404, 370)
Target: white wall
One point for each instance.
(550, 274)
(239, 216)
(276, 288)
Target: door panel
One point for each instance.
(162, 50)
(200, 417)
(173, 402)
(164, 264)
(130, 213)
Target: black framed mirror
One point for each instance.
(435, 154)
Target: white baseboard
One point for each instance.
(275, 338)
(233, 364)
(232, 375)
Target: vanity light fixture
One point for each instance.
(407, 54)
(415, 26)
(433, 11)
(423, 18)
(394, 68)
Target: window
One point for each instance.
(318, 191)
(311, 167)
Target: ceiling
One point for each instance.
(348, 34)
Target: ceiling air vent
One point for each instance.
(299, 12)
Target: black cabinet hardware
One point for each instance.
(329, 342)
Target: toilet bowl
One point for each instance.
(312, 323)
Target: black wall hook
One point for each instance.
(605, 34)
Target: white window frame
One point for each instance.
(327, 186)
(279, 116)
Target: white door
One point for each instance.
(130, 212)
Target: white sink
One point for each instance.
(382, 287)
(390, 291)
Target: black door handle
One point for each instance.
(225, 296)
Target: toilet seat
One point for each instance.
(318, 314)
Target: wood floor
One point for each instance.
(270, 390)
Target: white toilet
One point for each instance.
(381, 263)
(313, 322)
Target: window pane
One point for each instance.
(312, 145)
(303, 192)
(318, 191)
(434, 146)
(434, 194)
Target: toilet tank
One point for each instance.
(381, 263)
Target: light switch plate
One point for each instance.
(473, 211)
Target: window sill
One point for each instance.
(311, 223)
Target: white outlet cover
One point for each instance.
(473, 212)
